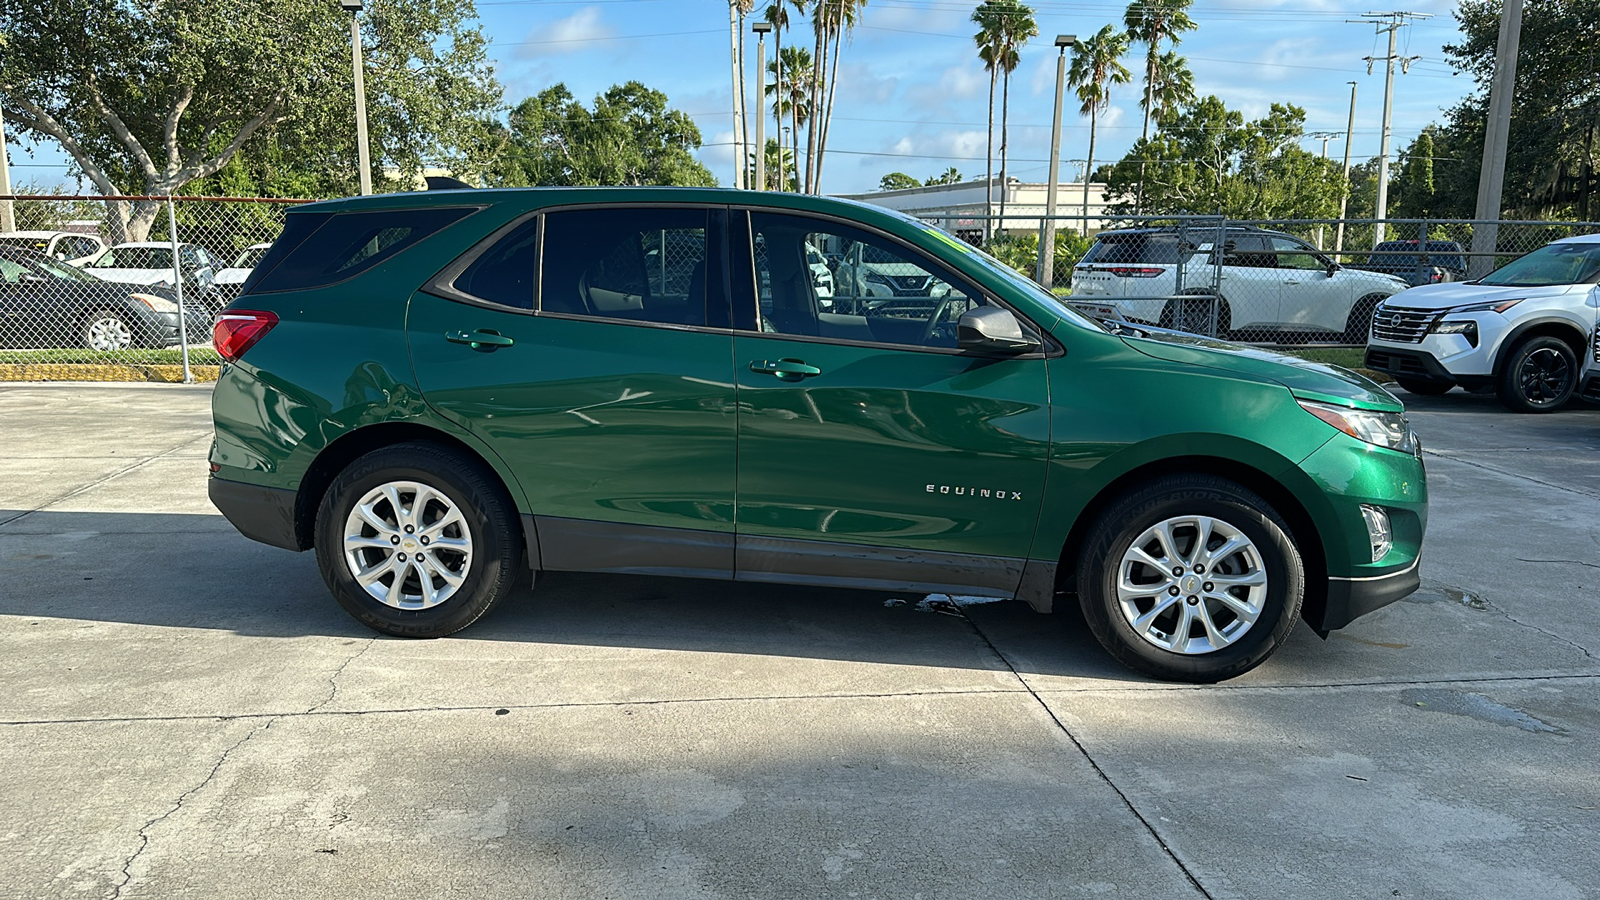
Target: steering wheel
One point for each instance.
(933, 320)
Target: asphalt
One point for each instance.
(188, 714)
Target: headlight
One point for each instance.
(872, 276)
(158, 304)
(1385, 429)
(1467, 329)
(1498, 306)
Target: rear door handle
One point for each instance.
(482, 339)
(785, 369)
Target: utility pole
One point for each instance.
(1491, 178)
(8, 219)
(1324, 136)
(738, 99)
(1047, 237)
(1344, 198)
(761, 29)
(1395, 20)
(363, 156)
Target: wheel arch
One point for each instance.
(348, 447)
(1283, 499)
(1564, 330)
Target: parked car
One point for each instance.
(435, 396)
(1521, 331)
(149, 262)
(228, 281)
(1436, 262)
(70, 247)
(45, 303)
(1267, 285)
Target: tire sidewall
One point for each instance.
(495, 550)
(1510, 387)
(1240, 508)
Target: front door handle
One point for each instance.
(482, 339)
(785, 369)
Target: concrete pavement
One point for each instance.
(188, 714)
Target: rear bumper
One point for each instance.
(1351, 598)
(260, 513)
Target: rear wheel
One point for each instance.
(1191, 578)
(417, 541)
(1192, 313)
(107, 330)
(1426, 388)
(1538, 376)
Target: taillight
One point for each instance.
(237, 330)
(1135, 271)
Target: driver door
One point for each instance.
(871, 451)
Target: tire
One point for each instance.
(1359, 324)
(1191, 313)
(1129, 623)
(106, 329)
(1425, 388)
(465, 580)
(1537, 376)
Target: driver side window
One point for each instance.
(819, 279)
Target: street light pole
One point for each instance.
(363, 158)
(761, 29)
(1047, 239)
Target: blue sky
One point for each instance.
(913, 95)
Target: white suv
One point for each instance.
(1522, 331)
(1267, 285)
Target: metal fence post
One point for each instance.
(177, 283)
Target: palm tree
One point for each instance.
(791, 91)
(1173, 87)
(1018, 28)
(831, 20)
(1150, 22)
(1096, 66)
(989, 20)
(777, 15)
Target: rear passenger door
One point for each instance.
(1251, 283)
(591, 349)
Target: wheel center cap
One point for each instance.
(409, 544)
(1190, 584)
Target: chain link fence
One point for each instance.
(1279, 282)
(91, 287)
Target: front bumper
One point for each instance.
(1351, 598)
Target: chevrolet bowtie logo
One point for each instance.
(980, 493)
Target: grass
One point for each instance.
(1349, 357)
(172, 356)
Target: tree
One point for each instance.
(997, 48)
(791, 91)
(777, 15)
(1207, 159)
(1096, 65)
(780, 167)
(898, 181)
(630, 138)
(948, 176)
(830, 20)
(1017, 26)
(1150, 22)
(1173, 86)
(148, 97)
(1413, 187)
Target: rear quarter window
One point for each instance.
(322, 249)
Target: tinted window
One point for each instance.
(1248, 251)
(1292, 254)
(347, 244)
(1144, 247)
(880, 292)
(1576, 263)
(505, 273)
(637, 265)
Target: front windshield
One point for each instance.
(1011, 276)
(1552, 264)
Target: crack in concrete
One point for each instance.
(1127, 802)
(99, 481)
(144, 830)
(1504, 614)
(333, 680)
(1510, 474)
(1576, 562)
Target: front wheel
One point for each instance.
(415, 540)
(1191, 578)
(1538, 376)
(107, 330)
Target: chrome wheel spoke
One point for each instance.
(362, 542)
(1142, 623)
(1160, 565)
(369, 577)
(1229, 547)
(1256, 578)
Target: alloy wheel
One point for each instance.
(407, 545)
(1545, 376)
(1191, 584)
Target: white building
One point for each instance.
(959, 208)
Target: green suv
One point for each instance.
(438, 391)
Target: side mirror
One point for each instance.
(1333, 267)
(991, 329)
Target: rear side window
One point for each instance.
(637, 265)
(343, 245)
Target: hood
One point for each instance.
(1460, 293)
(1304, 379)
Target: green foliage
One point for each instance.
(631, 137)
(148, 96)
(948, 176)
(1096, 66)
(1206, 158)
(898, 181)
(1021, 251)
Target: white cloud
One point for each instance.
(572, 34)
